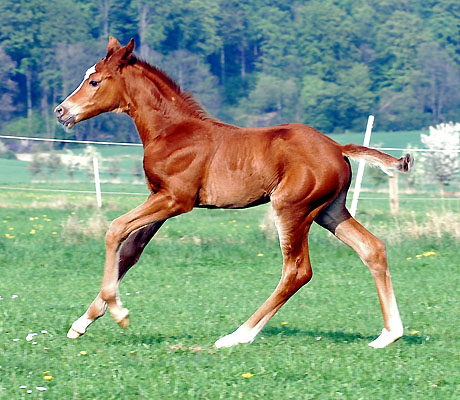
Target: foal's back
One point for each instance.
(248, 165)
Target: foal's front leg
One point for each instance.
(129, 254)
(152, 213)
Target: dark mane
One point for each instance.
(193, 107)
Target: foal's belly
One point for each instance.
(233, 189)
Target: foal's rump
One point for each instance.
(321, 146)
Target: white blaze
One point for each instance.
(88, 73)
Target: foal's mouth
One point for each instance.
(68, 122)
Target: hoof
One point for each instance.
(124, 322)
(386, 338)
(73, 334)
(226, 341)
(123, 318)
(241, 335)
(232, 340)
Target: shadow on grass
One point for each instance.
(338, 336)
(149, 340)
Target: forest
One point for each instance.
(326, 63)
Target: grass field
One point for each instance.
(199, 279)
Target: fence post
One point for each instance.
(362, 163)
(394, 194)
(97, 182)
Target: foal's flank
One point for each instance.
(192, 160)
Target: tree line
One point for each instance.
(326, 63)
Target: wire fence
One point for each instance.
(140, 144)
(20, 179)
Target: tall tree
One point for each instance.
(437, 83)
(8, 87)
(152, 22)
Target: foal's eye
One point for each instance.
(94, 83)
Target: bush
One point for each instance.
(114, 168)
(53, 163)
(5, 152)
(36, 165)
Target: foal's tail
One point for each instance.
(378, 158)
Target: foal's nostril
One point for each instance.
(59, 111)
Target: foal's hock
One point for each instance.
(192, 160)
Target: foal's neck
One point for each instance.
(154, 103)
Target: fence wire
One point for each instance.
(108, 143)
(140, 144)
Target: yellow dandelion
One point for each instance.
(247, 375)
(284, 323)
(54, 233)
(33, 232)
(429, 253)
(48, 378)
(46, 372)
(419, 256)
(8, 236)
(409, 258)
(83, 353)
(31, 218)
(414, 332)
(132, 351)
(11, 228)
(260, 255)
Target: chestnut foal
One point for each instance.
(192, 160)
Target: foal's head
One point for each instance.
(101, 89)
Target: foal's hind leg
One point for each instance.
(296, 272)
(129, 254)
(372, 252)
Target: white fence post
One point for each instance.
(394, 194)
(97, 182)
(362, 163)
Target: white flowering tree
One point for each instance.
(443, 165)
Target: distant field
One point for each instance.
(199, 279)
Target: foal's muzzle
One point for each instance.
(67, 120)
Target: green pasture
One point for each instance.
(199, 279)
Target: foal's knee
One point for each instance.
(108, 293)
(115, 234)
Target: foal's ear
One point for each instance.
(120, 57)
(113, 46)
